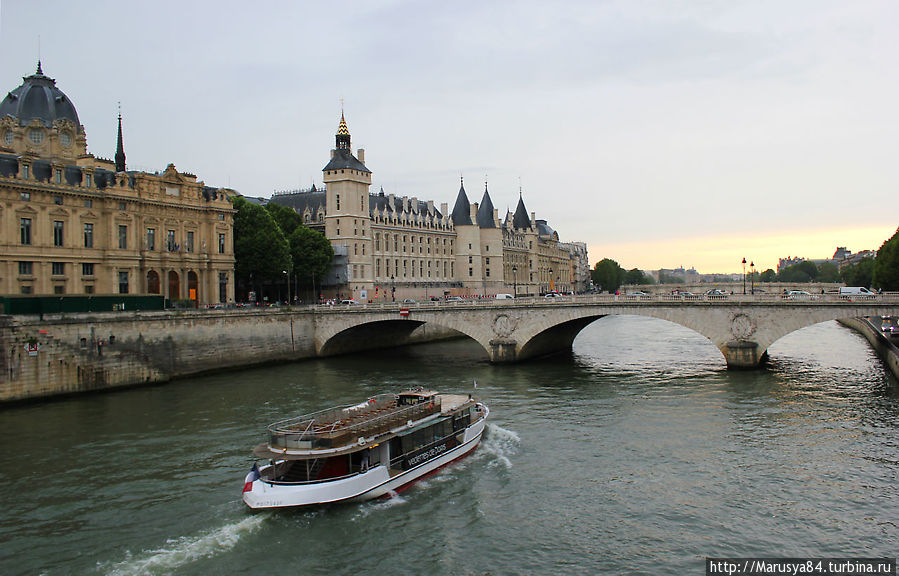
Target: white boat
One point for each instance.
(362, 451)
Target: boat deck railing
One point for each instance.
(344, 425)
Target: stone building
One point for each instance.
(391, 247)
(72, 223)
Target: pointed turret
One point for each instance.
(521, 219)
(343, 135)
(485, 211)
(462, 210)
(120, 149)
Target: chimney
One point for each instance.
(405, 203)
(444, 209)
(360, 154)
(333, 153)
(495, 215)
(431, 207)
(414, 204)
(473, 212)
(533, 219)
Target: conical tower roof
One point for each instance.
(485, 211)
(462, 210)
(521, 219)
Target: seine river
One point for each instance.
(638, 454)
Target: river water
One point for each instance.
(637, 454)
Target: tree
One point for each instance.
(828, 272)
(805, 271)
(636, 277)
(669, 278)
(886, 265)
(287, 218)
(768, 275)
(607, 274)
(860, 274)
(311, 253)
(260, 248)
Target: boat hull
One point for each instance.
(369, 485)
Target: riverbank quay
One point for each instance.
(64, 354)
(883, 344)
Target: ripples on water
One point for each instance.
(638, 453)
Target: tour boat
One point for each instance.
(362, 451)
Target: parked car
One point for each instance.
(505, 297)
(637, 293)
(716, 292)
(454, 299)
(552, 295)
(410, 301)
(348, 301)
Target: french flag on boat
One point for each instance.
(252, 476)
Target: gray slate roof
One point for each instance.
(462, 210)
(485, 211)
(521, 219)
(38, 97)
(344, 159)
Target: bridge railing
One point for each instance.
(886, 297)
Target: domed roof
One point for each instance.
(38, 97)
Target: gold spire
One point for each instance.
(342, 129)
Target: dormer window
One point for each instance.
(65, 139)
(8, 137)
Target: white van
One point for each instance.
(505, 297)
(856, 291)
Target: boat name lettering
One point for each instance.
(424, 456)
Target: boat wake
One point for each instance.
(500, 444)
(179, 552)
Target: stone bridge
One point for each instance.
(742, 327)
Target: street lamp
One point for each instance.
(551, 285)
(744, 276)
(286, 273)
(752, 277)
(392, 290)
(515, 281)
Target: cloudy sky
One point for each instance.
(663, 134)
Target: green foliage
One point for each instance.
(860, 274)
(886, 266)
(828, 272)
(805, 271)
(669, 278)
(635, 276)
(260, 248)
(608, 275)
(768, 275)
(287, 218)
(311, 253)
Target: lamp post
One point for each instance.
(752, 277)
(286, 273)
(392, 290)
(551, 285)
(515, 281)
(744, 276)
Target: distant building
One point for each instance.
(406, 247)
(789, 261)
(71, 223)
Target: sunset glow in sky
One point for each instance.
(663, 134)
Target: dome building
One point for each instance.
(72, 223)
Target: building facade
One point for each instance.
(72, 223)
(401, 247)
